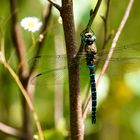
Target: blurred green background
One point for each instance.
(118, 110)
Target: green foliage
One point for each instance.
(53, 134)
(117, 114)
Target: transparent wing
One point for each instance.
(53, 68)
(50, 77)
(122, 48)
(48, 62)
(57, 75)
(124, 52)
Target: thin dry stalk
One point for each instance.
(114, 42)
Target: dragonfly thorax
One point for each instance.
(91, 48)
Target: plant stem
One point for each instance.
(76, 122)
(26, 96)
(113, 45)
(11, 131)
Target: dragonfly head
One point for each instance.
(89, 38)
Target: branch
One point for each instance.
(26, 96)
(93, 15)
(117, 35)
(57, 6)
(76, 122)
(17, 39)
(11, 131)
(88, 27)
(43, 32)
(105, 19)
(23, 69)
(106, 36)
(114, 42)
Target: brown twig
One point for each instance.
(20, 50)
(88, 27)
(40, 44)
(106, 36)
(57, 6)
(17, 39)
(114, 42)
(23, 74)
(27, 98)
(93, 15)
(117, 35)
(76, 122)
(8, 130)
(105, 19)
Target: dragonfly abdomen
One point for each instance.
(93, 92)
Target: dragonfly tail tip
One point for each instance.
(93, 120)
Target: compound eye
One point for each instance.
(93, 38)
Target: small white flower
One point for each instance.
(32, 24)
(60, 20)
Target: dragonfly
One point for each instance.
(88, 57)
(91, 50)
